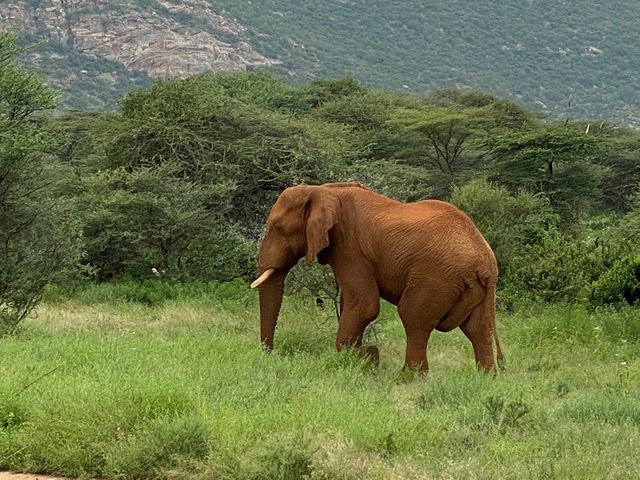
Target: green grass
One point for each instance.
(181, 389)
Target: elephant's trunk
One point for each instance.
(271, 292)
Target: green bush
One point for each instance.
(557, 269)
(286, 461)
(148, 218)
(509, 222)
(618, 284)
(563, 268)
(155, 292)
(504, 415)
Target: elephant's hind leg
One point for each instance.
(470, 298)
(479, 329)
(420, 310)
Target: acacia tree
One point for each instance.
(440, 140)
(440, 135)
(38, 234)
(555, 159)
(619, 157)
(218, 131)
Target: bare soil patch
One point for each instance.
(26, 476)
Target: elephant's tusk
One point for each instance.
(262, 278)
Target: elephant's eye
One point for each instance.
(278, 227)
(283, 228)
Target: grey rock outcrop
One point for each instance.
(178, 40)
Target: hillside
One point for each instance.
(95, 51)
(575, 59)
(570, 59)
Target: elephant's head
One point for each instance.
(298, 225)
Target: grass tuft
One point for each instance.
(161, 446)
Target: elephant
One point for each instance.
(426, 257)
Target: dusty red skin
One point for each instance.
(427, 257)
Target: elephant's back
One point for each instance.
(450, 236)
(438, 216)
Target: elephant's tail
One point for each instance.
(491, 293)
(502, 365)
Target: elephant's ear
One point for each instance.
(322, 214)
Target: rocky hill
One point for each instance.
(114, 45)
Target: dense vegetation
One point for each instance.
(570, 59)
(178, 181)
(140, 228)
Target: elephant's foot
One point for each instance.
(422, 368)
(371, 352)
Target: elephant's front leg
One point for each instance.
(360, 305)
(350, 333)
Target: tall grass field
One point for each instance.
(126, 384)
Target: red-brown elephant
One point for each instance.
(427, 257)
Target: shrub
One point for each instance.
(559, 268)
(316, 282)
(618, 284)
(286, 457)
(287, 461)
(505, 415)
(508, 222)
(12, 413)
(135, 221)
(154, 292)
